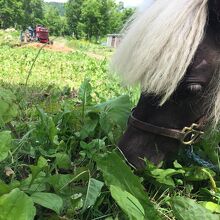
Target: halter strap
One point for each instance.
(187, 136)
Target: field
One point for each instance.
(61, 115)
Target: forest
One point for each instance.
(89, 19)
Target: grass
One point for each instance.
(56, 135)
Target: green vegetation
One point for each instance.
(20, 13)
(58, 135)
(59, 6)
(90, 19)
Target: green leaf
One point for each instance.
(209, 145)
(115, 110)
(77, 201)
(213, 207)
(46, 127)
(63, 161)
(4, 188)
(164, 176)
(88, 128)
(105, 122)
(93, 192)
(177, 165)
(8, 108)
(5, 144)
(48, 200)
(36, 170)
(61, 182)
(188, 209)
(37, 184)
(85, 92)
(117, 173)
(128, 203)
(16, 205)
(91, 149)
(197, 174)
(42, 162)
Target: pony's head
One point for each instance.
(173, 50)
(160, 44)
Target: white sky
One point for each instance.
(131, 3)
(128, 3)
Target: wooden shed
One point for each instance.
(113, 40)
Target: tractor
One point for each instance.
(39, 34)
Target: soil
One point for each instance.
(61, 47)
(56, 46)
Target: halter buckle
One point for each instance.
(191, 134)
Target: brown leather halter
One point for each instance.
(187, 136)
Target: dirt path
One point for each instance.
(61, 46)
(56, 46)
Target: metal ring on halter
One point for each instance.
(191, 134)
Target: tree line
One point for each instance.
(90, 19)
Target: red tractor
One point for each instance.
(39, 34)
(42, 34)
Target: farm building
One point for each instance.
(113, 40)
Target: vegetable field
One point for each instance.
(61, 115)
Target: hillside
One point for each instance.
(59, 6)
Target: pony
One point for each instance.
(172, 49)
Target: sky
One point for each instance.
(128, 3)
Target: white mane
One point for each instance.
(160, 43)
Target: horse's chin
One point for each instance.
(137, 147)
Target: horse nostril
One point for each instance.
(195, 88)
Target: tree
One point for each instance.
(20, 13)
(119, 17)
(11, 13)
(101, 17)
(92, 18)
(95, 18)
(33, 12)
(59, 6)
(126, 14)
(109, 16)
(73, 15)
(54, 21)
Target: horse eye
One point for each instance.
(194, 88)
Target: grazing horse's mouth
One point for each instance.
(187, 136)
